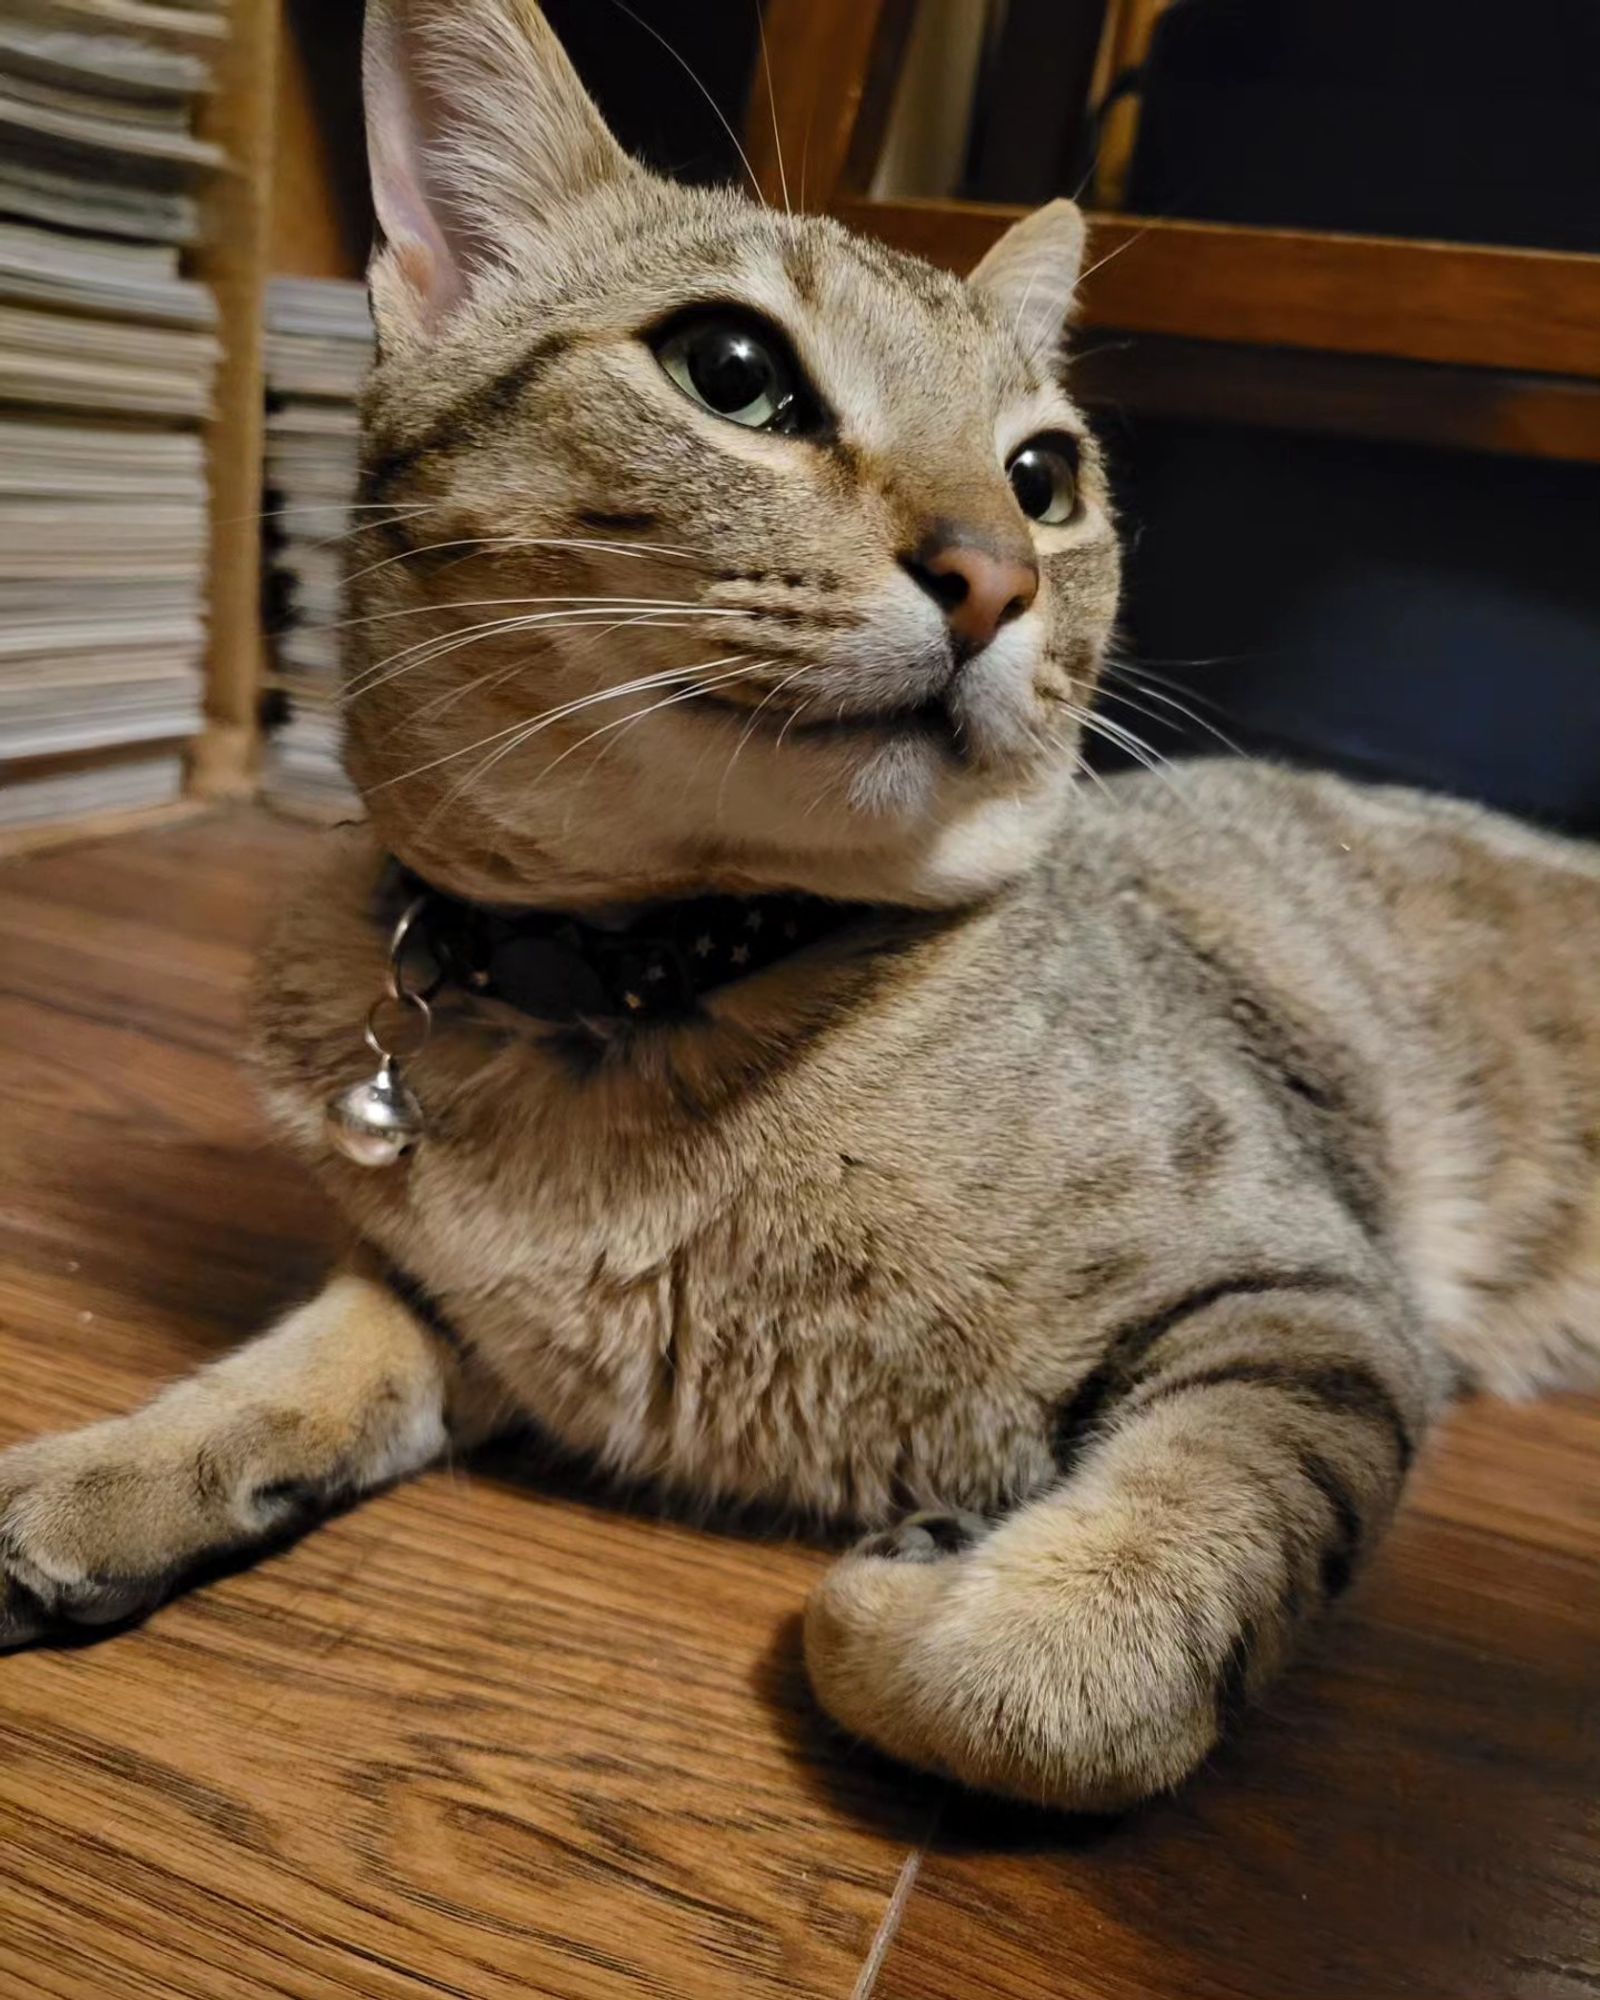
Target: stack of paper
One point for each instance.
(319, 348)
(107, 351)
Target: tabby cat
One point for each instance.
(1094, 1193)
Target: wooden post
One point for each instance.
(820, 96)
(232, 259)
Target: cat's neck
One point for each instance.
(644, 962)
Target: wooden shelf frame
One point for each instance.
(232, 259)
(1462, 304)
(1518, 329)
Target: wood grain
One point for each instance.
(17, 840)
(489, 1735)
(1343, 395)
(481, 1737)
(1531, 310)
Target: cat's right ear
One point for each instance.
(479, 134)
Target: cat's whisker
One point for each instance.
(1101, 262)
(624, 723)
(755, 667)
(794, 716)
(485, 635)
(638, 550)
(644, 681)
(689, 71)
(414, 611)
(1124, 738)
(497, 676)
(333, 507)
(348, 535)
(441, 645)
(805, 143)
(1022, 308)
(749, 730)
(521, 736)
(772, 105)
(1160, 687)
(1110, 693)
(1082, 768)
(545, 715)
(1199, 660)
(1143, 672)
(1132, 745)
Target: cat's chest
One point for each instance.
(752, 1306)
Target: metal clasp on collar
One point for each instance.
(376, 1121)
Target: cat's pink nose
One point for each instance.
(979, 591)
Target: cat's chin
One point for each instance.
(902, 859)
(909, 858)
(926, 726)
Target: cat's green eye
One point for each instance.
(734, 367)
(1044, 477)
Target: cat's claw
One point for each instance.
(53, 1519)
(926, 1537)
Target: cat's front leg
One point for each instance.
(348, 1392)
(1089, 1649)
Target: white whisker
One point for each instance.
(527, 731)
(1100, 263)
(497, 675)
(440, 645)
(656, 35)
(485, 603)
(772, 107)
(749, 730)
(1110, 693)
(643, 681)
(639, 550)
(625, 722)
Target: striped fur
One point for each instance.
(1101, 1224)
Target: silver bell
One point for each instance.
(374, 1122)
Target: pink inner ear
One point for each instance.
(432, 275)
(397, 142)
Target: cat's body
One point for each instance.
(849, 1240)
(1303, 1076)
(1119, 1190)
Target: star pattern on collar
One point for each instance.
(556, 967)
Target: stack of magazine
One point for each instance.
(106, 359)
(319, 348)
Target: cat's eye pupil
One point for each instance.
(729, 369)
(735, 368)
(1044, 477)
(1032, 483)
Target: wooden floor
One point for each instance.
(486, 1737)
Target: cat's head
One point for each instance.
(707, 546)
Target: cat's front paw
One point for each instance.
(1077, 1670)
(72, 1514)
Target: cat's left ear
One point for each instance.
(1032, 273)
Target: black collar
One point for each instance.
(559, 968)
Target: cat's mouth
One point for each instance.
(929, 720)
